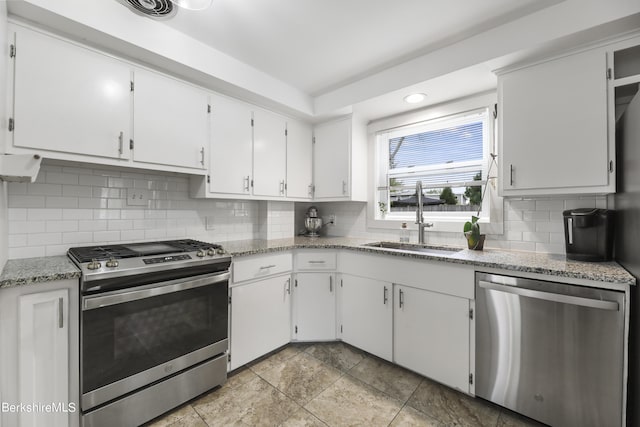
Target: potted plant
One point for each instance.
(471, 229)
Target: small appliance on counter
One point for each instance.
(312, 222)
(588, 234)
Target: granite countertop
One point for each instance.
(18, 272)
(529, 262)
(37, 270)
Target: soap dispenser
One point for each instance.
(404, 233)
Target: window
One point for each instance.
(448, 156)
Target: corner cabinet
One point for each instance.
(40, 351)
(269, 154)
(340, 160)
(314, 307)
(299, 161)
(553, 130)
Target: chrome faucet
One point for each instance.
(419, 214)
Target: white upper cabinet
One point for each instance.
(299, 160)
(339, 160)
(331, 159)
(171, 121)
(68, 99)
(553, 127)
(270, 154)
(230, 163)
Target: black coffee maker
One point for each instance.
(588, 234)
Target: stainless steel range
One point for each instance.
(153, 327)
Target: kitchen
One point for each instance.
(100, 169)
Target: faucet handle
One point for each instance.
(428, 224)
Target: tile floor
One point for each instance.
(334, 384)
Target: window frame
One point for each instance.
(492, 210)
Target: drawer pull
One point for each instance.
(265, 267)
(316, 262)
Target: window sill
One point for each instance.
(440, 224)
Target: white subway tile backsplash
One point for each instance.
(78, 237)
(44, 239)
(69, 214)
(17, 214)
(528, 236)
(61, 178)
(43, 214)
(106, 236)
(535, 216)
(27, 252)
(17, 240)
(106, 214)
(92, 225)
(549, 205)
(38, 189)
(25, 201)
(61, 226)
(28, 227)
(62, 202)
(76, 191)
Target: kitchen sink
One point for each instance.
(415, 248)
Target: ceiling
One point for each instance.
(320, 45)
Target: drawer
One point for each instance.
(255, 267)
(316, 260)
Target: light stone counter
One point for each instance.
(37, 270)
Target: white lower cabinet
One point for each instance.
(39, 352)
(431, 335)
(366, 314)
(44, 355)
(260, 318)
(314, 303)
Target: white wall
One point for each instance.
(79, 205)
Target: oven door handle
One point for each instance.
(93, 302)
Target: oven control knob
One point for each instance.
(211, 252)
(220, 251)
(200, 253)
(94, 265)
(112, 263)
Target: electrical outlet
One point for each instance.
(208, 223)
(137, 197)
(332, 219)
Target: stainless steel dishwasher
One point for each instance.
(550, 351)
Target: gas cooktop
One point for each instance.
(131, 250)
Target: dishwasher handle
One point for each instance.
(549, 296)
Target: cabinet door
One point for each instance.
(299, 160)
(44, 355)
(331, 158)
(231, 146)
(431, 335)
(554, 126)
(367, 314)
(69, 99)
(314, 307)
(270, 154)
(260, 318)
(171, 121)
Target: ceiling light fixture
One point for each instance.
(414, 98)
(193, 4)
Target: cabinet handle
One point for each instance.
(288, 283)
(60, 313)
(246, 183)
(344, 187)
(202, 156)
(310, 190)
(510, 174)
(264, 267)
(384, 296)
(282, 187)
(330, 283)
(316, 262)
(120, 142)
(401, 299)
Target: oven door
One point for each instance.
(133, 337)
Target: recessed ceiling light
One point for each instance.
(414, 98)
(193, 4)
